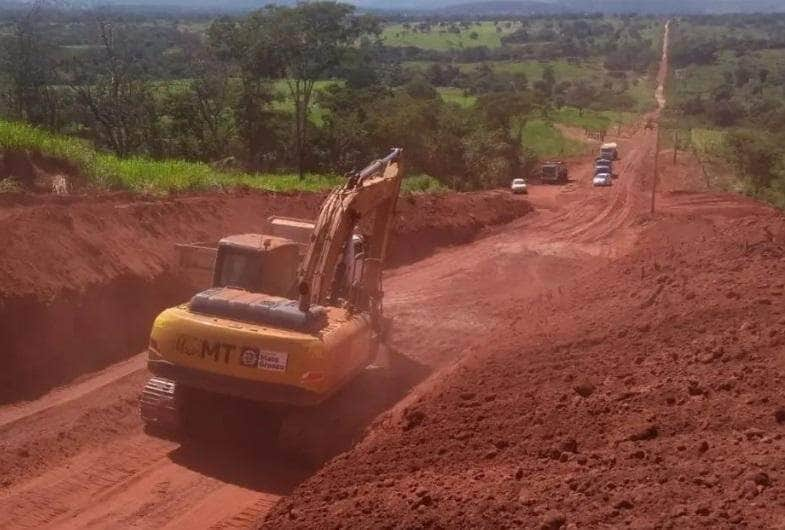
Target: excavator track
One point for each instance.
(161, 405)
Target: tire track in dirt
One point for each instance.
(442, 306)
(653, 403)
(60, 396)
(138, 481)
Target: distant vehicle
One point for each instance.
(519, 186)
(602, 179)
(602, 160)
(603, 168)
(554, 173)
(610, 151)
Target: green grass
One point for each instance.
(640, 90)
(282, 103)
(143, 174)
(457, 97)
(422, 184)
(642, 93)
(439, 38)
(591, 119)
(563, 70)
(546, 141)
(708, 141)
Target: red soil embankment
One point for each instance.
(81, 278)
(646, 393)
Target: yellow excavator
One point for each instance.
(292, 316)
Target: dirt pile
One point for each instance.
(81, 278)
(646, 393)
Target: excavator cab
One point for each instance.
(258, 263)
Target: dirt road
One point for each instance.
(616, 369)
(78, 457)
(496, 333)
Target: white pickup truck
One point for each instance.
(519, 186)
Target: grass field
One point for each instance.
(283, 101)
(541, 136)
(708, 141)
(547, 142)
(640, 90)
(642, 93)
(440, 38)
(702, 80)
(457, 97)
(160, 176)
(591, 119)
(563, 70)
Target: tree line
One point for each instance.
(729, 77)
(309, 87)
(244, 94)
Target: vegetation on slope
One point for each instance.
(725, 98)
(142, 174)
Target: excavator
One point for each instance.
(292, 316)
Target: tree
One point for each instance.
(726, 113)
(302, 45)
(118, 100)
(549, 77)
(258, 125)
(500, 109)
(29, 65)
(200, 121)
(580, 95)
(491, 158)
(755, 156)
(420, 88)
(742, 75)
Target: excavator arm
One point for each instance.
(369, 198)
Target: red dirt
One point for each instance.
(641, 393)
(591, 365)
(81, 278)
(614, 369)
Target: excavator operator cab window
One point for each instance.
(238, 269)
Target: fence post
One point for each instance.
(656, 168)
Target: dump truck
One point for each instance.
(609, 151)
(554, 173)
(291, 316)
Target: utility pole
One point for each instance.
(675, 144)
(656, 168)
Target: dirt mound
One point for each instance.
(81, 278)
(648, 393)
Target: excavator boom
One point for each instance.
(369, 197)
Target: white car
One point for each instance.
(602, 179)
(519, 186)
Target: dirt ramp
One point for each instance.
(81, 278)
